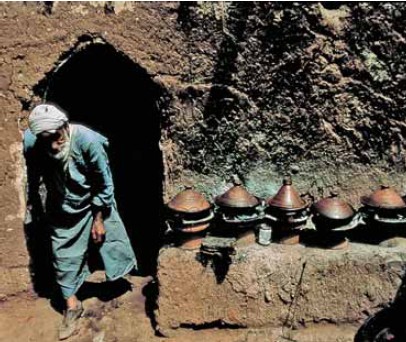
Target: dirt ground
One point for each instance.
(28, 318)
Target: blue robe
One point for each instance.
(84, 183)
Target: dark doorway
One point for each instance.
(106, 91)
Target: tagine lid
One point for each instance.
(333, 207)
(189, 201)
(287, 197)
(385, 197)
(237, 197)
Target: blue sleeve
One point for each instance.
(100, 175)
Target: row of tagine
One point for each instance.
(286, 217)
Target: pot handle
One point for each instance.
(193, 222)
(295, 220)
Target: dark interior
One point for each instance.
(106, 91)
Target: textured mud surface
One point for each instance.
(290, 286)
(310, 87)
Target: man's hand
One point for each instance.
(98, 231)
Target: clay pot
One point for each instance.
(189, 212)
(287, 213)
(333, 208)
(287, 198)
(237, 197)
(287, 206)
(384, 198)
(332, 212)
(237, 208)
(189, 201)
(385, 213)
(189, 241)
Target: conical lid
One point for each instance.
(386, 198)
(287, 197)
(237, 197)
(189, 201)
(334, 208)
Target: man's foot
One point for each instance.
(69, 322)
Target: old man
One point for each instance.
(80, 207)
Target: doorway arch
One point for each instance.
(103, 89)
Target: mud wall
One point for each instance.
(36, 39)
(257, 89)
(315, 90)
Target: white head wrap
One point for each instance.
(46, 118)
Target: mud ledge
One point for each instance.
(290, 287)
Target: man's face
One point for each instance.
(54, 142)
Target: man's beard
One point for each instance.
(63, 154)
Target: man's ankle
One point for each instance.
(72, 303)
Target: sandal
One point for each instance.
(69, 322)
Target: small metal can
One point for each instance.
(264, 235)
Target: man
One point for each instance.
(72, 162)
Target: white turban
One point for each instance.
(46, 118)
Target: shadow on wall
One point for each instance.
(217, 135)
(103, 89)
(217, 106)
(39, 248)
